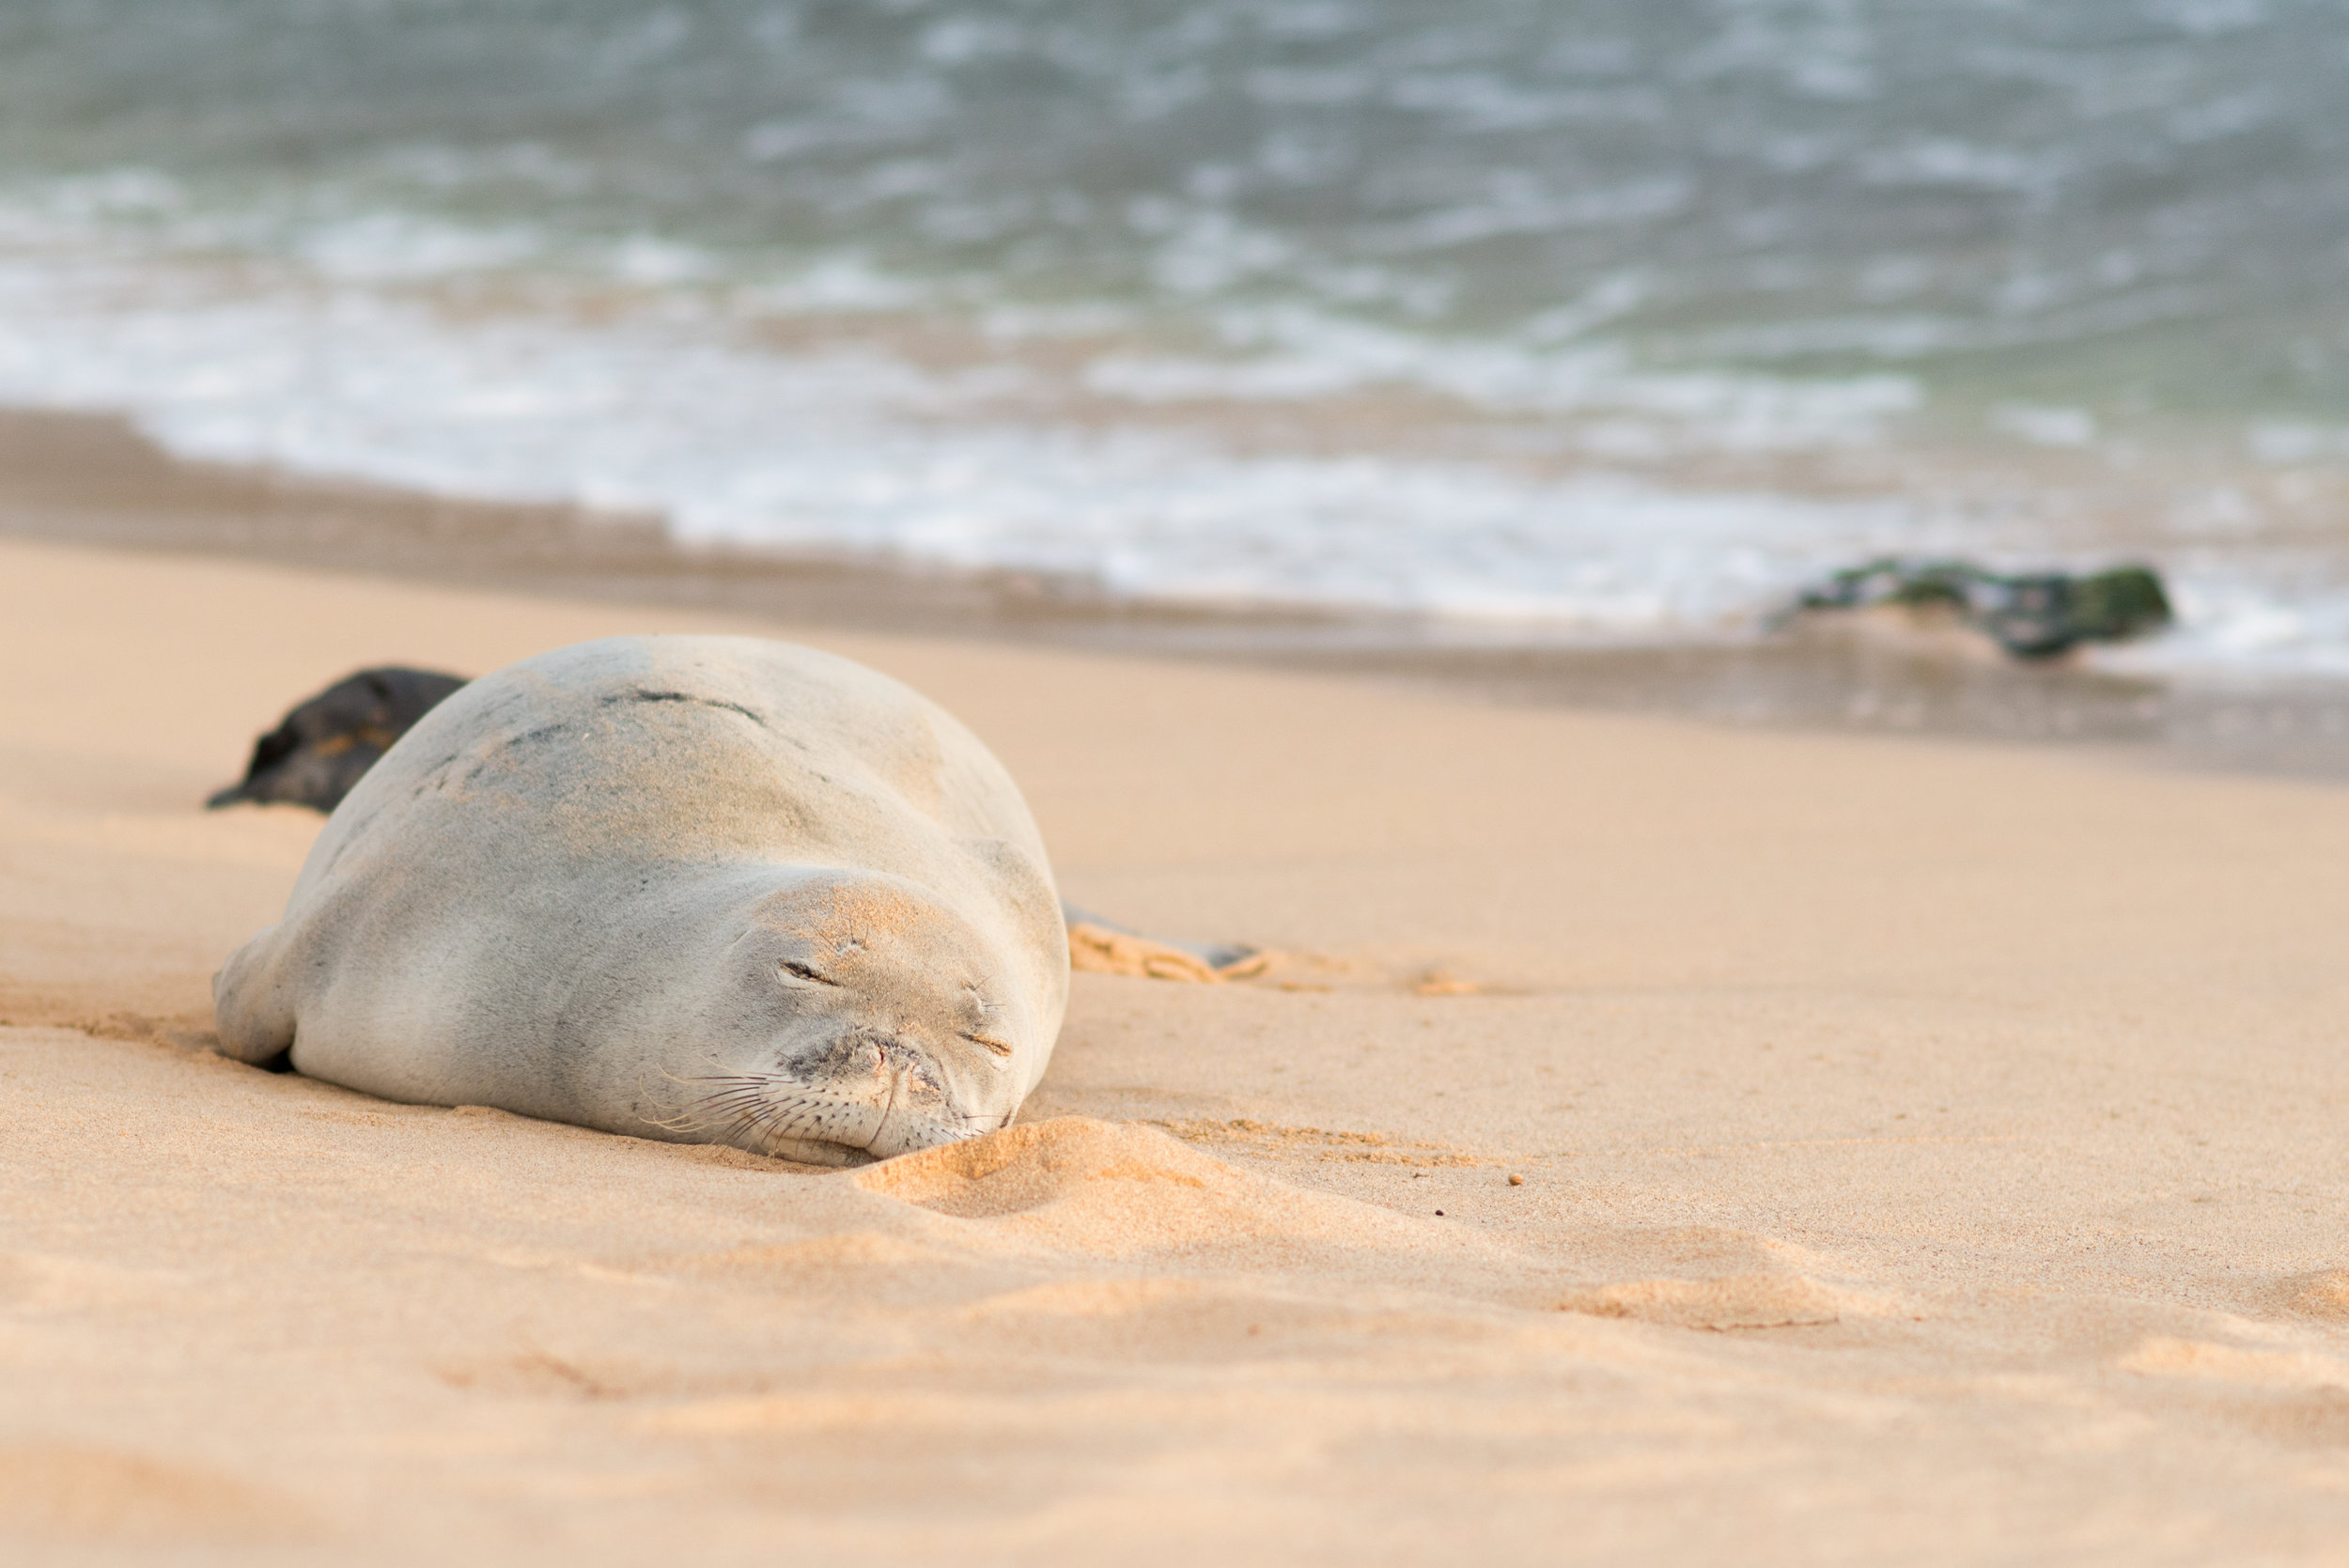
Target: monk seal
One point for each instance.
(701, 889)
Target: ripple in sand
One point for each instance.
(1371, 1148)
(1711, 1278)
(32, 1282)
(2205, 1361)
(1739, 1301)
(2325, 1295)
(1023, 1169)
(75, 1493)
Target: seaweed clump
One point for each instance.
(2032, 615)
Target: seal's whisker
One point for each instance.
(737, 1096)
(738, 1107)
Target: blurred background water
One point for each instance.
(1580, 319)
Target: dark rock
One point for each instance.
(325, 744)
(2032, 615)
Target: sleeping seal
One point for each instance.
(702, 889)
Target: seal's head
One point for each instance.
(865, 1018)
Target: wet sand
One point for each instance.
(1929, 1151)
(90, 479)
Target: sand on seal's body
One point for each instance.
(709, 888)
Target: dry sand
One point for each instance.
(1930, 1153)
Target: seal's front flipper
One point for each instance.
(1103, 947)
(251, 1006)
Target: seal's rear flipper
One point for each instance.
(250, 1007)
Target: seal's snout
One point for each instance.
(870, 1061)
(865, 1094)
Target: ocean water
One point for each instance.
(1597, 320)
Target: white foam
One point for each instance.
(2045, 427)
(2239, 623)
(1289, 352)
(678, 414)
(857, 451)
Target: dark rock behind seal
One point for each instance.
(325, 744)
(2032, 615)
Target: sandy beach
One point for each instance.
(1930, 1152)
(1746, 605)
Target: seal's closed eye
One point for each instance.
(996, 1046)
(800, 974)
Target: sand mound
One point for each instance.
(1077, 1191)
(1710, 1277)
(32, 1282)
(1116, 1188)
(1740, 1301)
(1023, 1169)
(2163, 1355)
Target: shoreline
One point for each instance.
(91, 479)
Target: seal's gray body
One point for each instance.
(709, 888)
